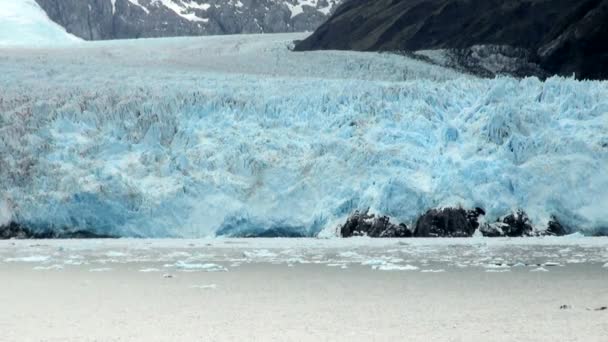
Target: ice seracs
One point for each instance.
(238, 133)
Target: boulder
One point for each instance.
(364, 224)
(517, 224)
(555, 228)
(448, 222)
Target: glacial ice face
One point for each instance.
(24, 23)
(237, 135)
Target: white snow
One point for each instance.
(136, 3)
(296, 7)
(236, 133)
(24, 23)
(182, 9)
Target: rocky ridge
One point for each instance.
(485, 37)
(122, 19)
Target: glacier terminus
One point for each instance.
(236, 135)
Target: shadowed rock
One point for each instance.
(448, 222)
(556, 37)
(16, 231)
(364, 224)
(555, 228)
(517, 224)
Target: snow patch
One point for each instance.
(136, 3)
(296, 7)
(183, 9)
(24, 23)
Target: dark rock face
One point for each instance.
(16, 231)
(273, 232)
(557, 36)
(448, 222)
(364, 224)
(517, 224)
(555, 228)
(108, 19)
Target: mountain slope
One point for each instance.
(111, 19)
(23, 22)
(559, 36)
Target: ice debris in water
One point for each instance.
(208, 267)
(32, 258)
(50, 267)
(394, 267)
(204, 287)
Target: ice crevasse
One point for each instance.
(201, 154)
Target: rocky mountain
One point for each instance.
(488, 37)
(115, 19)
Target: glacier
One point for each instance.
(24, 23)
(232, 135)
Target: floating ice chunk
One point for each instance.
(349, 255)
(208, 267)
(496, 266)
(148, 270)
(101, 269)
(433, 271)
(373, 262)
(115, 254)
(204, 287)
(259, 254)
(605, 265)
(74, 262)
(394, 267)
(32, 258)
(539, 269)
(551, 264)
(50, 267)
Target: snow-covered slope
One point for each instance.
(24, 23)
(191, 136)
(112, 19)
